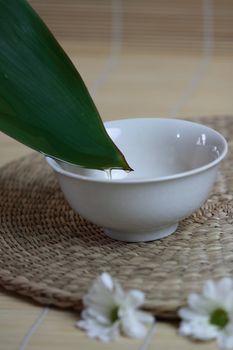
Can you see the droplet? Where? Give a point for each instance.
(108, 172)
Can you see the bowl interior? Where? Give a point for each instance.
(156, 148)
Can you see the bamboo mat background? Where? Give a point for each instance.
(150, 57)
(148, 24)
(138, 58)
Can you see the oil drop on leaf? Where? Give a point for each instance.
(44, 102)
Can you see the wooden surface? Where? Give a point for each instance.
(129, 79)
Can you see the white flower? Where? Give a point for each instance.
(210, 315)
(110, 311)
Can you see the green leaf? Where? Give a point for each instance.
(44, 102)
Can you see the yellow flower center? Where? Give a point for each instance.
(219, 318)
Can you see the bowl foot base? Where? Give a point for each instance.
(141, 236)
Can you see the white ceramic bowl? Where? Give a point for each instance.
(175, 163)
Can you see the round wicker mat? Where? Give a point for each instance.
(51, 254)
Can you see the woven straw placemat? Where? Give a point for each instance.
(49, 253)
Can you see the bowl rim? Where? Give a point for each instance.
(55, 166)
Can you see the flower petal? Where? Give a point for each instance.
(100, 304)
(225, 293)
(200, 304)
(210, 290)
(185, 328)
(96, 330)
(200, 329)
(98, 316)
(219, 293)
(99, 295)
(225, 338)
(107, 280)
(118, 292)
(132, 326)
(111, 333)
(145, 317)
(225, 286)
(188, 314)
(134, 298)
